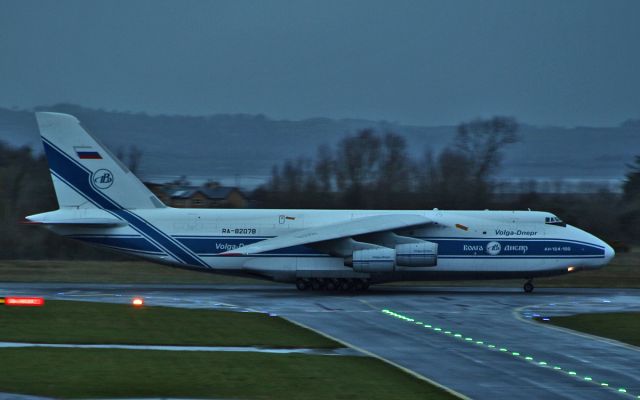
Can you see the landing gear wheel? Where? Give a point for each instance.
(302, 284)
(331, 284)
(345, 284)
(316, 284)
(528, 287)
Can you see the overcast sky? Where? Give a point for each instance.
(423, 62)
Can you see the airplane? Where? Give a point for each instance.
(101, 202)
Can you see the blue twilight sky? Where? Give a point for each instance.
(416, 62)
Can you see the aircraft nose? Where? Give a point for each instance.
(609, 253)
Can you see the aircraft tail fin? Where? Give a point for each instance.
(84, 173)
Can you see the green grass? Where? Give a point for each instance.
(88, 323)
(623, 326)
(81, 373)
(111, 373)
(107, 272)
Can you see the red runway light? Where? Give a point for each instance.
(137, 301)
(24, 301)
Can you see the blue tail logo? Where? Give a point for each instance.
(102, 179)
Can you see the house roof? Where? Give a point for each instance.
(185, 192)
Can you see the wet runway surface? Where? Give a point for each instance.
(480, 341)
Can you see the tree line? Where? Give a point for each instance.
(25, 189)
(374, 171)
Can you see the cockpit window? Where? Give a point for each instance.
(554, 221)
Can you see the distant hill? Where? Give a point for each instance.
(247, 146)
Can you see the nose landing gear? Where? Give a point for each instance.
(528, 286)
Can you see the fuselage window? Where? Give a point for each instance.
(554, 221)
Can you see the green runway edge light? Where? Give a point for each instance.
(530, 359)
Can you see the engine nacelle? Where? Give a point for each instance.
(373, 260)
(423, 254)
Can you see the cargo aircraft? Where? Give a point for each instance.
(102, 203)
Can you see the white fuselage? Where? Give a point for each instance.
(471, 244)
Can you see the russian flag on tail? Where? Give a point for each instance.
(87, 153)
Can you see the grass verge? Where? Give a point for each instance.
(81, 373)
(112, 373)
(91, 323)
(623, 326)
(71, 271)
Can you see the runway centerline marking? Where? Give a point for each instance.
(528, 358)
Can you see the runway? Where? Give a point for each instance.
(477, 341)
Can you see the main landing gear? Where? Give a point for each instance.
(528, 286)
(332, 284)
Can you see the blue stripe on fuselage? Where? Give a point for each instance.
(447, 248)
(452, 248)
(138, 243)
(517, 248)
(214, 245)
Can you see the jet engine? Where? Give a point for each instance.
(384, 259)
(373, 260)
(423, 254)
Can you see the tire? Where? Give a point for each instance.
(346, 284)
(302, 284)
(316, 284)
(528, 287)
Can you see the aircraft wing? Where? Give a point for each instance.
(354, 227)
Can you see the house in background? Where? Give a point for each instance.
(209, 195)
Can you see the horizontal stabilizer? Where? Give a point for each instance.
(74, 218)
(79, 222)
